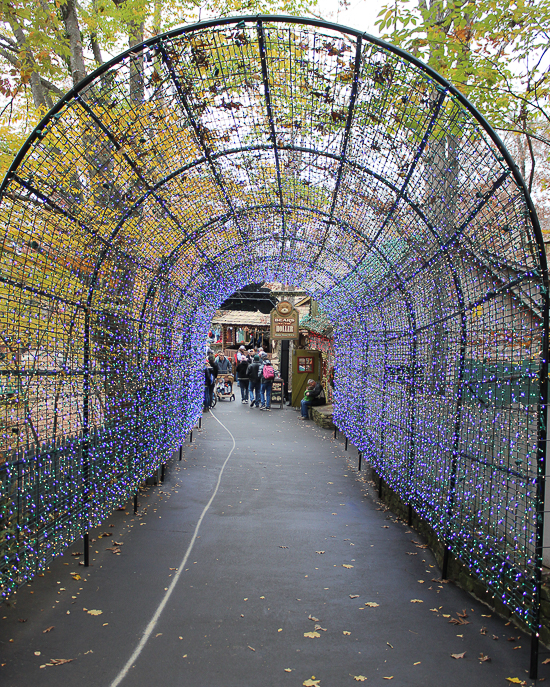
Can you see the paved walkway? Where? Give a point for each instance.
(296, 574)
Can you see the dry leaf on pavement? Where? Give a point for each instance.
(345, 565)
(359, 678)
(60, 661)
(251, 648)
(516, 681)
(312, 617)
(94, 612)
(311, 683)
(320, 552)
(288, 670)
(354, 596)
(484, 659)
(318, 627)
(371, 604)
(48, 629)
(311, 635)
(417, 601)
(459, 655)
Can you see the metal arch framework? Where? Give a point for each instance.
(288, 150)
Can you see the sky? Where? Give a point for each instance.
(360, 15)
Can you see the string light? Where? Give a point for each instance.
(272, 151)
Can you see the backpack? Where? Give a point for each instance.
(268, 372)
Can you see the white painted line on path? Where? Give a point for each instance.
(154, 620)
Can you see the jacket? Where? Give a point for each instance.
(242, 369)
(315, 396)
(254, 372)
(224, 366)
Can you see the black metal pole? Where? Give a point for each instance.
(162, 471)
(181, 452)
(534, 664)
(136, 503)
(191, 437)
(335, 431)
(86, 540)
(445, 567)
(200, 422)
(359, 465)
(410, 518)
(346, 443)
(379, 487)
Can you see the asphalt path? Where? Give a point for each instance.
(295, 574)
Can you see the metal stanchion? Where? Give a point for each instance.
(162, 472)
(359, 466)
(181, 452)
(86, 540)
(191, 437)
(135, 502)
(346, 443)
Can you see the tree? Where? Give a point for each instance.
(495, 52)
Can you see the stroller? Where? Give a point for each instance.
(224, 388)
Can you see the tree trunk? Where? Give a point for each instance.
(70, 21)
(28, 65)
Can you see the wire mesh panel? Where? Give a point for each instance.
(273, 149)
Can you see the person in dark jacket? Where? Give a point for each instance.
(242, 377)
(224, 365)
(209, 380)
(314, 396)
(254, 374)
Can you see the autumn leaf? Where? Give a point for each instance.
(59, 661)
(371, 604)
(354, 596)
(516, 681)
(76, 577)
(311, 635)
(48, 629)
(459, 655)
(359, 678)
(94, 612)
(320, 552)
(345, 565)
(388, 678)
(546, 660)
(318, 627)
(417, 601)
(311, 683)
(251, 648)
(345, 632)
(288, 670)
(312, 617)
(484, 659)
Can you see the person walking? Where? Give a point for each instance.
(268, 375)
(254, 373)
(224, 364)
(242, 378)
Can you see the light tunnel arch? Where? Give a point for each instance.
(288, 150)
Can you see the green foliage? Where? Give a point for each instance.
(494, 51)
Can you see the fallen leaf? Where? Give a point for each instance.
(58, 661)
(483, 631)
(24, 620)
(417, 601)
(359, 678)
(288, 670)
(283, 547)
(311, 635)
(311, 683)
(546, 660)
(48, 629)
(446, 615)
(320, 552)
(318, 627)
(312, 617)
(94, 612)
(459, 655)
(484, 659)
(417, 663)
(516, 681)
(390, 645)
(345, 565)
(388, 678)
(251, 648)
(354, 596)
(37, 653)
(76, 577)
(463, 614)
(280, 629)
(345, 632)
(371, 604)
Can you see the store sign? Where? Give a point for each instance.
(284, 322)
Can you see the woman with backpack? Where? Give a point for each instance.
(268, 375)
(210, 375)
